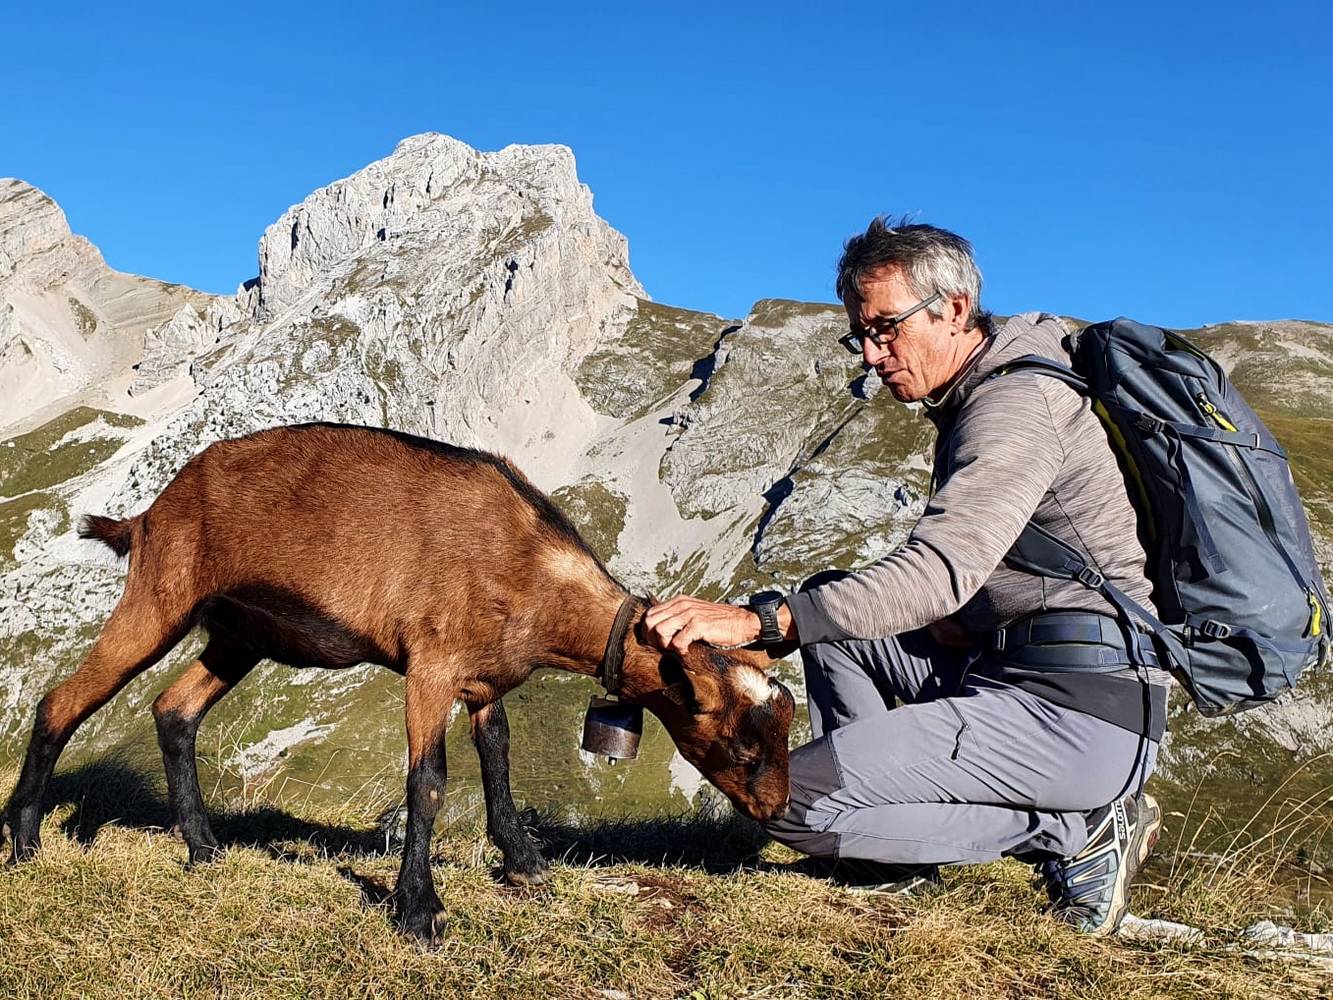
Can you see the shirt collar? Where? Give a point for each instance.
(972, 361)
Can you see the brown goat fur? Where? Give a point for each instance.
(328, 545)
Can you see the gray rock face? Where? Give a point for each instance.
(68, 323)
(475, 298)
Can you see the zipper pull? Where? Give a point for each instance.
(1316, 612)
(1207, 406)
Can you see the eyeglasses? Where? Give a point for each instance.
(853, 340)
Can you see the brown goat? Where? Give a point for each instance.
(327, 545)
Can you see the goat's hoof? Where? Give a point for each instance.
(420, 923)
(532, 874)
(204, 854)
(23, 845)
(419, 919)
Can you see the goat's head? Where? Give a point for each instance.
(726, 716)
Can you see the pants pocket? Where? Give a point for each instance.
(964, 730)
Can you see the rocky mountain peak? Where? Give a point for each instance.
(34, 233)
(432, 187)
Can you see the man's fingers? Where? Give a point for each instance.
(668, 624)
(660, 612)
(680, 642)
(676, 623)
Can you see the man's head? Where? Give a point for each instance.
(890, 270)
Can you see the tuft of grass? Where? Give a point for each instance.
(695, 905)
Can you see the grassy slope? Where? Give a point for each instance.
(697, 906)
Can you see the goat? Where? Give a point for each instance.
(330, 545)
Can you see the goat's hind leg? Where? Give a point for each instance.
(430, 696)
(135, 637)
(178, 711)
(523, 862)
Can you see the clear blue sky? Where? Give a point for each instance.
(1171, 162)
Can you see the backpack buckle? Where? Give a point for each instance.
(1215, 629)
(1091, 578)
(1149, 424)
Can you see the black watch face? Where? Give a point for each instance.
(766, 597)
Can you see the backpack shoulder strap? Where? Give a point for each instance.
(1037, 363)
(1039, 552)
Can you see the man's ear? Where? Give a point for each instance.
(958, 308)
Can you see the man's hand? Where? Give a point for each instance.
(674, 624)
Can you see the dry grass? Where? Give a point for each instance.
(696, 906)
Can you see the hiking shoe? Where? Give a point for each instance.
(872, 877)
(1090, 891)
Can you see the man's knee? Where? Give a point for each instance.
(814, 775)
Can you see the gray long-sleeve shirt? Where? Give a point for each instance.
(1020, 447)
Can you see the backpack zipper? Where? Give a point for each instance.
(1260, 502)
(1207, 406)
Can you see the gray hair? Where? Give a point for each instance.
(932, 259)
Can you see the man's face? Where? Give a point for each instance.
(921, 356)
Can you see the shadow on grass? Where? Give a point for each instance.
(714, 839)
(111, 791)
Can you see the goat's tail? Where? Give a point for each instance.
(116, 535)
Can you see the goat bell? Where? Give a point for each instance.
(612, 729)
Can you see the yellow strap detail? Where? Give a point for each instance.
(1316, 613)
(1122, 448)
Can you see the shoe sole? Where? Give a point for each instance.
(915, 887)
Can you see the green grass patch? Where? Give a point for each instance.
(598, 512)
(35, 461)
(661, 348)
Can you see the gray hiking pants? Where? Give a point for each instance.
(965, 770)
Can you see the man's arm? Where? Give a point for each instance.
(1006, 454)
(676, 623)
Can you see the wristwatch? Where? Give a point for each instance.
(765, 604)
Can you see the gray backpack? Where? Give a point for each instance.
(1235, 580)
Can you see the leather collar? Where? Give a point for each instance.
(611, 672)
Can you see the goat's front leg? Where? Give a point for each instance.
(523, 863)
(430, 695)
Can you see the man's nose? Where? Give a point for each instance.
(871, 354)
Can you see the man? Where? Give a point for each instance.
(1021, 728)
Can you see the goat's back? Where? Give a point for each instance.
(380, 529)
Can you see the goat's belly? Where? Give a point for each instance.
(280, 625)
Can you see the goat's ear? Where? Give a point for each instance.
(703, 666)
(682, 694)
